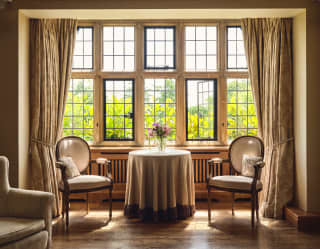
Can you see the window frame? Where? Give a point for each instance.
(206, 54)
(93, 51)
(247, 128)
(104, 110)
(215, 102)
(179, 74)
(227, 48)
(124, 55)
(174, 48)
(175, 103)
(81, 103)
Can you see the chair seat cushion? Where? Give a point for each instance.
(234, 182)
(13, 229)
(84, 182)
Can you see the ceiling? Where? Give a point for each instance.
(136, 14)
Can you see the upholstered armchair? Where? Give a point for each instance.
(25, 215)
(77, 150)
(246, 160)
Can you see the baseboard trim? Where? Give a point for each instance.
(303, 221)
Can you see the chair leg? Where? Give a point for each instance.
(87, 203)
(209, 206)
(252, 209)
(110, 203)
(232, 204)
(257, 206)
(67, 210)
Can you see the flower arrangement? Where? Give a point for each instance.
(160, 132)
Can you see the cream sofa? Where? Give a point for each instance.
(25, 215)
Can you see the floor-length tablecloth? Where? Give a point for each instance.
(160, 185)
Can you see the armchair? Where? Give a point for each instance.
(78, 149)
(25, 215)
(240, 147)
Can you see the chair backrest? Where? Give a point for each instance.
(74, 147)
(244, 145)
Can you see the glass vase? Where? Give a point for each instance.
(150, 143)
(162, 144)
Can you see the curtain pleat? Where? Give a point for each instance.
(268, 46)
(52, 43)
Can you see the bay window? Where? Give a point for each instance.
(189, 75)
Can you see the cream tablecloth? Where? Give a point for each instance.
(160, 185)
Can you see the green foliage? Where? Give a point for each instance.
(241, 112)
(159, 107)
(118, 122)
(78, 115)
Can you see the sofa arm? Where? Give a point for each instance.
(31, 204)
(28, 203)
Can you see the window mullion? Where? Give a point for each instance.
(222, 87)
(97, 85)
(139, 89)
(180, 86)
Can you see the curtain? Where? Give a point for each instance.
(52, 43)
(268, 46)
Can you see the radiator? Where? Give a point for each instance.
(201, 167)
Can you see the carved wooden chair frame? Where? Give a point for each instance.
(253, 191)
(66, 189)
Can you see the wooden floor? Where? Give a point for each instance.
(94, 232)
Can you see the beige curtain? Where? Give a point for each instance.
(268, 46)
(52, 44)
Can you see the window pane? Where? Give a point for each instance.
(159, 48)
(118, 113)
(201, 109)
(201, 42)
(241, 115)
(160, 104)
(83, 50)
(78, 115)
(236, 59)
(118, 46)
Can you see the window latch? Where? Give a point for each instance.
(129, 115)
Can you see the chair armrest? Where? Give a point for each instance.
(100, 160)
(259, 164)
(257, 167)
(215, 161)
(218, 160)
(60, 165)
(106, 162)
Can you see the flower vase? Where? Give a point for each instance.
(149, 143)
(162, 144)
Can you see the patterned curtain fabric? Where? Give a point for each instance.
(268, 46)
(52, 44)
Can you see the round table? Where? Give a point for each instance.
(160, 185)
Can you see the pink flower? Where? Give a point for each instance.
(150, 132)
(168, 131)
(160, 130)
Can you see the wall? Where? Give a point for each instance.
(9, 90)
(300, 109)
(23, 102)
(313, 114)
(9, 143)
